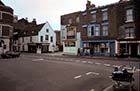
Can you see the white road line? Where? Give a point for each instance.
(107, 64)
(138, 70)
(70, 60)
(90, 62)
(90, 73)
(129, 68)
(76, 77)
(110, 76)
(84, 61)
(77, 61)
(37, 59)
(98, 63)
(116, 66)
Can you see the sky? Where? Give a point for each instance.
(49, 10)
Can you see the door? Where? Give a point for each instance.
(112, 49)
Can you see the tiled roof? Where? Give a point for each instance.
(26, 28)
(31, 30)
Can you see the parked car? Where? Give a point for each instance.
(10, 54)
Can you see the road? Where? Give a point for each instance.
(32, 72)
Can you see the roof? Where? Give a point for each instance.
(1, 3)
(31, 30)
(26, 28)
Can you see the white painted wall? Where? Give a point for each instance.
(50, 33)
(26, 41)
(6, 42)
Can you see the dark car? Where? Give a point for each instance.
(10, 54)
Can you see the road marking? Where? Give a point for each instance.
(98, 63)
(77, 61)
(129, 68)
(108, 88)
(92, 90)
(90, 62)
(84, 61)
(110, 76)
(107, 64)
(37, 59)
(76, 77)
(116, 66)
(94, 73)
(138, 70)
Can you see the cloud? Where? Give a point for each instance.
(50, 10)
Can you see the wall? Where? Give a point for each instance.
(50, 33)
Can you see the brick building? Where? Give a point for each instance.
(6, 27)
(100, 30)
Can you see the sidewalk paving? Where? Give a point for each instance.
(96, 57)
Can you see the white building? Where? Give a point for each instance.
(35, 38)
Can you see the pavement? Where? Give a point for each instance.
(96, 57)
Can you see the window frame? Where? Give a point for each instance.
(129, 15)
(41, 38)
(105, 32)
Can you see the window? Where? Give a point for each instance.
(41, 38)
(69, 44)
(47, 30)
(77, 19)
(23, 48)
(22, 39)
(51, 38)
(105, 30)
(129, 15)
(0, 30)
(46, 37)
(33, 32)
(84, 13)
(0, 15)
(97, 31)
(70, 21)
(31, 39)
(92, 30)
(94, 18)
(104, 16)
(71, 31)
(129, 32)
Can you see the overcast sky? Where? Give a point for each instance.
(50, 10)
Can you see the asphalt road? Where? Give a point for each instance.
(32, 72)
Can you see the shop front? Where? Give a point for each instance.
(99, 47)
